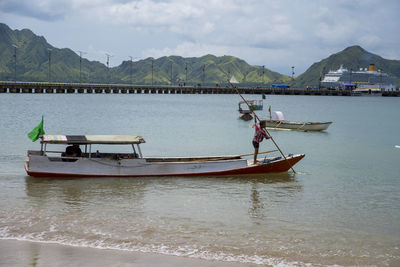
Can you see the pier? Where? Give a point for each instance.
(92, 88)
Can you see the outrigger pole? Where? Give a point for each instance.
(255, 115)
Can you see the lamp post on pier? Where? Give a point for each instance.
(292, 72)
(15, 62)
(171, 72)
(186, 73)
(132, 58)
(49, 49)
(108, 67)
(204, 74)
(292, 76)
(263, 74)
(80, 65)
(152, 71)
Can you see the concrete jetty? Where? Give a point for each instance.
(92, 88)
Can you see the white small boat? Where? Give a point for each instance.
(55, 163)
(277, 120)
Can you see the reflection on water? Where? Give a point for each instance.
(76, 190)
(256, 206)
(82, 193)
(147, 195)
(218, 201)
(336, 210)
(34, 252)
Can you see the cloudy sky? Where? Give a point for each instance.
(276, 33)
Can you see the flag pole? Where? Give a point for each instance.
(255, 115)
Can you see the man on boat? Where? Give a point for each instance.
(73, 151)
(259, 135)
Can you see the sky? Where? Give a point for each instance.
(278, 34)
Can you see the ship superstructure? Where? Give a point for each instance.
(361, 80)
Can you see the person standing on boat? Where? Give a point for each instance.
(259, 136)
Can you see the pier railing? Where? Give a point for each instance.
(93, 88)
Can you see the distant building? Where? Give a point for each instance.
(280, 86)
(361, 80)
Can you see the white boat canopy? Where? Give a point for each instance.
(92, 139)
(278, 116)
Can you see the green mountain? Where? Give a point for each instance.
(33, 53)
(353, 57)
(32, 62)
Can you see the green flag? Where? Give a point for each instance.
(37, 132)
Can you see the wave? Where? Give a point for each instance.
(180, 251)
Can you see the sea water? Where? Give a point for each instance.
(341, 207)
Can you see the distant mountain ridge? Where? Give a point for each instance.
(33, 65)
(353, 57)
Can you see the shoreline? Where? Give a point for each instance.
(30, 253)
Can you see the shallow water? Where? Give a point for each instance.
(342, 207)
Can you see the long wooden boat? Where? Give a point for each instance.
(277, 120)
(298, 125)
(54, 163)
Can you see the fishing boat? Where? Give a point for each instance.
(57, 163)
(254, 104)
(250, 106)
(277, 120)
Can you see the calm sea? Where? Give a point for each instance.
(342, 207)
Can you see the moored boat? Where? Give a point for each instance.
(277, 120)
(250, 106)
(253, 104)
(56, 163)
(298, 125)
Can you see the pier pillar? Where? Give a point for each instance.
(14, 90)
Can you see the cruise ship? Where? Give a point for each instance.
(366, 80)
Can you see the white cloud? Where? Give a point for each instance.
(48, 10)
(187, 49)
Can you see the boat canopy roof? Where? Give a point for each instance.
(92, 139)
(252, 102)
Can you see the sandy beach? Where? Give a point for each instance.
(25, 253)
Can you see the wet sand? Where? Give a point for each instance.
(24, 253)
